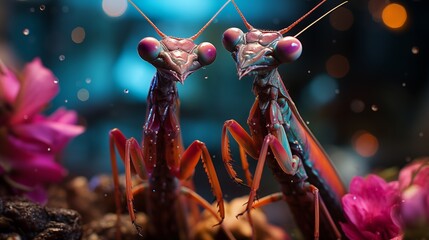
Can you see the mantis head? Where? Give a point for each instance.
(257, 52)
(177, 57)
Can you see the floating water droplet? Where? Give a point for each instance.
(415, 50)
(105, 195)
(126, 91)
(308, 71)
(62, 57)
(66, 101)
(374, 108)
(88, 80)
(42, 7)
(26, 31)
(49, 149)
(337, 91)
(56, 81)
(404, 84)
(206, 77)
(214, 156)
(308, 122)
(354, 197)
(421, 134)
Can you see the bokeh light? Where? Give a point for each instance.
(394, 16)
(114, 8)
(415, 50)
(83, 94)
(78, 35)
(357, 105)
(375, 8)
(341, 19)
(323, 89)
(365, 144)
(337, 66)
(26, 31)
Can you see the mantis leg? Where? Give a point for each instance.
(246, 144)
(196, 151)
(129, 150)
(206, 205)
(132, 154)
(288, 163)
(273, 197)
(318, 203)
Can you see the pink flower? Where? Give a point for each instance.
(30, 141)
(414, 186)
(369, 209)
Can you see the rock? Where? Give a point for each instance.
(23, 219)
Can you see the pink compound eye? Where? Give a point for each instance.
(288, 49)
(231, 37)
(206, 53)
(149, 48)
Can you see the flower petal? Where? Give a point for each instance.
(43, 135)
(37, 89)
(38, 169)
(351, 231)
(9, 84)
(64, 116)
(417, 172)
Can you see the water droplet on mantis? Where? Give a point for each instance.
(42, 7)
(26, 31)
(374, 108)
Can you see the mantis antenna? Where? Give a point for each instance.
(150, 22)
(163, 35)
(285, 30)
(246, 23)
(210, 21)
(324, 15)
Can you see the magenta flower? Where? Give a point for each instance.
(30, 141)
(369, 209)
(414, 186)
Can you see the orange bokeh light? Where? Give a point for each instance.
(365, 144)
(394, 15)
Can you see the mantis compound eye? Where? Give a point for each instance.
(288, 49)
(231, 38)
(149, 48)
(206, 53)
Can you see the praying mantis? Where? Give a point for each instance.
(161, 162)
(279, 136)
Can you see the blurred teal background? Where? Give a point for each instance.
(362, 87)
